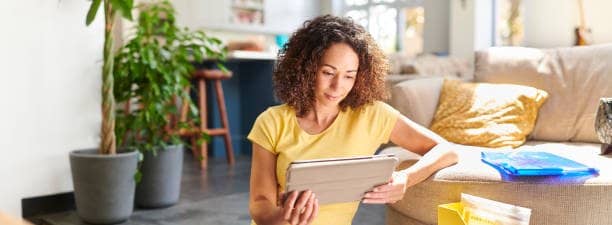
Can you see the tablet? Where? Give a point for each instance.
(337, 180)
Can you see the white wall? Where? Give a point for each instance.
(483, 33)
(333, 7)
(196, 14)
(461, 28)
(551, 23)
(49, 95)
(436, 30)
(471, 26)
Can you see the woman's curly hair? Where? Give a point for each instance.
(298, 61)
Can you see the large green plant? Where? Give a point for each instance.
(152, 69)
(111, 8)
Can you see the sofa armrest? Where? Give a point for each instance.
(417, 99)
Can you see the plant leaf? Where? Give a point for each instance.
(204, 138)
(152, 68)
(124, 7)
(215, 41)
(138, 176)
(93, 10)
(222, 67)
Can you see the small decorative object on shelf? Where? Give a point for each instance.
(603, 124)
(247, 12)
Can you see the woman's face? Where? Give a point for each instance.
(336, 75)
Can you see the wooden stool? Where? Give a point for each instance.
(200, 76)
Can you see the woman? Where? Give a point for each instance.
(330, 75)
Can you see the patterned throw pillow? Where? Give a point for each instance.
(487, 115)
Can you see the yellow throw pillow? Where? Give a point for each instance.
(487, 115)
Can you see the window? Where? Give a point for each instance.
(509, 23)
(397, 25)
(413, 30)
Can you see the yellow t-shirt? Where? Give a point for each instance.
(354, 132)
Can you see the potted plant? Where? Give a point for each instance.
(103, 177)
(152, 71)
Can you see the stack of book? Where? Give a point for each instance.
(534, 163)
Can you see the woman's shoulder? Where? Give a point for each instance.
(277, 112)
(279, 109)
(374, 107)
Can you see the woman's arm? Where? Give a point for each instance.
(296, 209)
(436, 151)
(437, 154)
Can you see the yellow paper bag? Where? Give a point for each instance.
(450, 214)
(453, 214)
(474, 210)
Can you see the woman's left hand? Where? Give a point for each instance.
(390, 192)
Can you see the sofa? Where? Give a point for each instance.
(575, 78)
(403, 68)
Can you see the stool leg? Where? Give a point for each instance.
(223, 112)
(203, 121)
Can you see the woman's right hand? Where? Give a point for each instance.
(300, 208)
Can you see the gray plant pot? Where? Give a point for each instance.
(103, 185)
(161, 178)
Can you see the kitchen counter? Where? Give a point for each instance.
(250, 55)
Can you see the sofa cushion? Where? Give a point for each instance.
(575, 78)
(455, 67)
(553, 200)
(487, 115)
(417, 99)
(393, 79)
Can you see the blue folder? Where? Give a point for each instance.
(532, 163)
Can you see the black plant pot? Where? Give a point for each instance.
(103, 185)
(161, 178)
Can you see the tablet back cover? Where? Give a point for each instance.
(340, 179)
